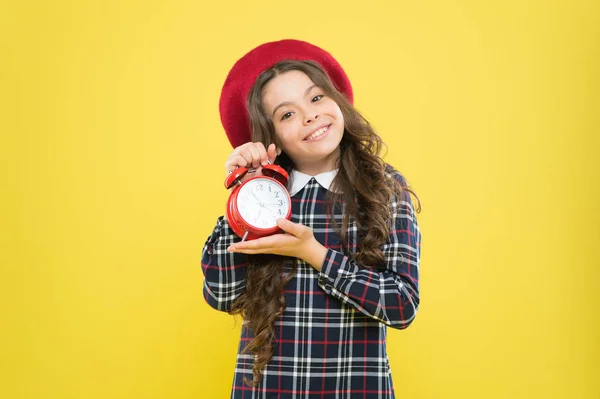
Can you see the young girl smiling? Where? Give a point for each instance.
(316, 299)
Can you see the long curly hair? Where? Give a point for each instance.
(365, 194)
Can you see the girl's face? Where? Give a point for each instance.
(308, 124)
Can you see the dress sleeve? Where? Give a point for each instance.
(390, 295)
(224, 272)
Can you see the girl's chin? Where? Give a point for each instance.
(323, 152)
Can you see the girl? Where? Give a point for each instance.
(316, 299)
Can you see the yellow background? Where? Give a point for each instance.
(112, 171)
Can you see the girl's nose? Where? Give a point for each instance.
(310, 119)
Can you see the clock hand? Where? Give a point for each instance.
(274, 213)
(258, 199)
(268, 209)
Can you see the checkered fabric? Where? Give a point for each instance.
(331, 338)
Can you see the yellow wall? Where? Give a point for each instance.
(112, 171)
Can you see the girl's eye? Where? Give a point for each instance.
(286, 115)
(317, 98)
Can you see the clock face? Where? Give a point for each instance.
(261, 201)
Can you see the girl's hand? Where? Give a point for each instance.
(299, 242)
(251, 156)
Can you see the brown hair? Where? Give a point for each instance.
(365, 190)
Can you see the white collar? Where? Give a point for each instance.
(298, 180)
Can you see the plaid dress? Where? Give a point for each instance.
(331, 338)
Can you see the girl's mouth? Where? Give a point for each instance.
(319, 134)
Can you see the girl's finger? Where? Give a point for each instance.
(263, 153)
(255, 156)
(289, 227)
(235, 161)
(234, 158)
(247, 155)
(253, 244)
(272, 152)
(255, 250)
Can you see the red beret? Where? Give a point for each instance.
(242, 76)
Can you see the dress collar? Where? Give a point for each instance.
(298, 180)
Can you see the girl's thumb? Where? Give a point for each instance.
(272, 152)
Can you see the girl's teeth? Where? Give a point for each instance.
(317, 133)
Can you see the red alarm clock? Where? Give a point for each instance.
(254, 205)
